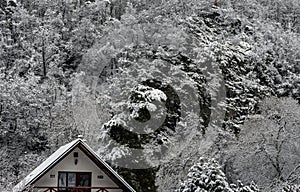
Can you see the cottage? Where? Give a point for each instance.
(74, 167)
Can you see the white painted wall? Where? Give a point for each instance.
(85, 164)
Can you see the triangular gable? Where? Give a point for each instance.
(60, 154)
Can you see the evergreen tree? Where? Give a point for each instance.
(207, 176)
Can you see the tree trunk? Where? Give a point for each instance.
(44, 60)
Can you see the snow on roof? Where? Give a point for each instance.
(55, 157)
(42, 167)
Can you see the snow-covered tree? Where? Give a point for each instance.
(207, 176)
(291, 188)
(267, 150)
(34, 118)
(240, 187)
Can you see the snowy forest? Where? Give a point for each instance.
(176, 95)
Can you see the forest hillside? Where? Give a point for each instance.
(177, 95)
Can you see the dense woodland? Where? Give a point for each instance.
(226, 74)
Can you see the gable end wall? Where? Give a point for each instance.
(85, 164)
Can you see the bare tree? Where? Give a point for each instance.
(268, 149)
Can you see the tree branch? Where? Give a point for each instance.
(292, 172)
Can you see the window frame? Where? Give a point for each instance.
(77, 180)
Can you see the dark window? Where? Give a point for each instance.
(75, 154)
(68, 180)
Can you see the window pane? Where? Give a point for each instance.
(62, 179)
(84, 180)
(71, 179)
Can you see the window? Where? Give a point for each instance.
(62, 181)
(67, 180)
